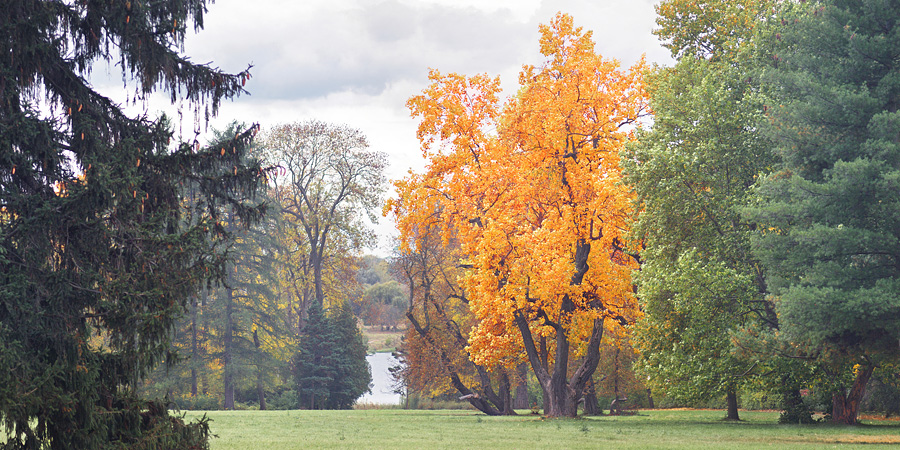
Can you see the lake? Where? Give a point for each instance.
(382, 383)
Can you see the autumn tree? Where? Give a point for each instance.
(536, 205)
(829, 239)
(434, 350)
(96, 240)
(329, 181)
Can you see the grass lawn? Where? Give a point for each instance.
(446, 429)
(381, 341)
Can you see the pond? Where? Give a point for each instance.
(381, 381)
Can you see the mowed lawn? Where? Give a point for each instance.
(655, 429)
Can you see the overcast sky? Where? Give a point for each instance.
(356, 62)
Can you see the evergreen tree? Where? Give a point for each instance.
(352, 373)
(831, 239)
(330, 367)
(99, 252)
(316, 361)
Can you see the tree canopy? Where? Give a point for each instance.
(536, 207)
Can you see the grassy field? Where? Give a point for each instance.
(656, 429)
(381, 341)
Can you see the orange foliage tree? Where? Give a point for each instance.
(530, 190)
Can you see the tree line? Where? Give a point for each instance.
(731, 217)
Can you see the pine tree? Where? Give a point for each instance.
(99, 253)
(831, 235)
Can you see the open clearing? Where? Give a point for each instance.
(446, 429)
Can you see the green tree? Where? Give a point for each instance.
(330, 367)
(315, 361)
(99, 252)
(831, 240)
(691, 171)
(352, 372)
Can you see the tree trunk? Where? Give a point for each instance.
(562, 394)
(650, 399)
(227, 356)
(521, 400)
(544, 356)
(732, 404)
(260, 392)
(475, 399)
(845, 407)
(195, 357)
(591, 406)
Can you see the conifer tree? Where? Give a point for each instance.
(352, 373)
(830, 239)
(315, 361)
(98, 251)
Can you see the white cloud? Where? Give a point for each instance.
(356, 62)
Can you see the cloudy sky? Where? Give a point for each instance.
(356, 62)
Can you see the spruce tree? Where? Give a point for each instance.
(315, 361)
(352, 372)
(99, 251)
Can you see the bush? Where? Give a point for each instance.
(286, 399)
(198, 403)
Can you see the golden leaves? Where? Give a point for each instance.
(522, 185)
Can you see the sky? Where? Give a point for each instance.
(356, 62)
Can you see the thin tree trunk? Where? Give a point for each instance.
(195, 357)
(260, 392)
(845, 407)
(731, 401)
(228, 376)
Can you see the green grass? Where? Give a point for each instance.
(444, 429)
(381, 341)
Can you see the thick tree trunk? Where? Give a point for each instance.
(227, 355)
(845, 406)
(562, 394)
(521, 400)
(650, 399)
(591, 407)
(732, 405)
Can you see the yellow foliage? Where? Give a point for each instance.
(531, 190)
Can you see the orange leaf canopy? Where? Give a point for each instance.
(525, 185)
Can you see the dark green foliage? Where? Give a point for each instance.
(330, 368)
(99, 251)
(831, 235)
(883, 392)
(834, 243)
(352, 374)
(315, 362)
